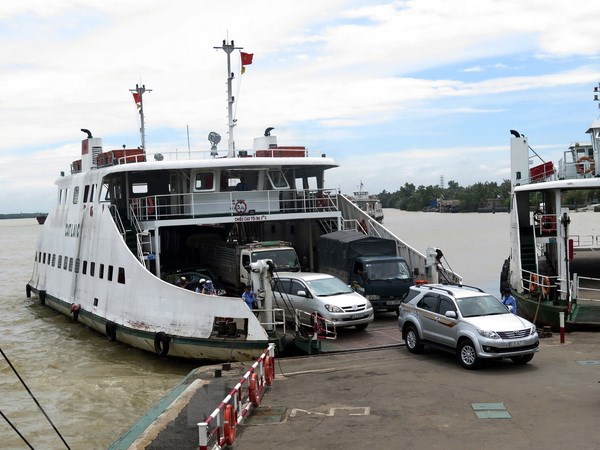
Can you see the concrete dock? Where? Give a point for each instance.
(389, 398)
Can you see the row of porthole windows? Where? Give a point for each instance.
(67, 263)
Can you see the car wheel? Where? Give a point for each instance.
(413, 341)
(467, 355)
(361, 326)
(522, 359)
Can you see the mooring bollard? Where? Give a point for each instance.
(561, 316)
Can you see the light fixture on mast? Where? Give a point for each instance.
(228, 48)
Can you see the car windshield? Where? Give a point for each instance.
(387, 270)
(481, 305)
(324, 287)
(284, 259)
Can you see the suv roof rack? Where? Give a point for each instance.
(465, 286)
(448, 291)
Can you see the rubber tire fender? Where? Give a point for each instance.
(161, 344)
(42, 296)
(111, 331)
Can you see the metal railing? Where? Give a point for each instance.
(592, 294)
(233, 203)
(221, 425)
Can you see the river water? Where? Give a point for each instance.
(94, 390)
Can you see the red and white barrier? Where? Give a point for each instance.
(231, 412)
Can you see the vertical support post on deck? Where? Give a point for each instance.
(562, 326)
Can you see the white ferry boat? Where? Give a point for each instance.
(125, 218)
(368, 203)
(551, 269)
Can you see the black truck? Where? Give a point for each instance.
(369, 264)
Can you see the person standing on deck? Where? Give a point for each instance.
(249, 297)
(509, 300)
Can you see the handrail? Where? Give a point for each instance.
(117, 219)
(234, 203)
(240, 399)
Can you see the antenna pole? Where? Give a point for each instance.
(228, 48)
(140, 90)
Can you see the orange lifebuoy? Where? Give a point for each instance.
(533, 283)
(269, 368)
(546, 286)
(229, 424)
(581, 167)
(253, 390)
(321, 201)
(150, 206)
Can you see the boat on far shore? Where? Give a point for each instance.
(554, 263)
(368, 203)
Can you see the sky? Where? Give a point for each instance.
(419, 91)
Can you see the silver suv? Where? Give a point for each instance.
(466, 321)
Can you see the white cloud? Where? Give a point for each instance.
(336, 71)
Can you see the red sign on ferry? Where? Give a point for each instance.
(84, 147)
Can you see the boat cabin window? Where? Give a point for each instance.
(62, 196)
(75, 195)
(92, 189)
(139, 188)
(278, 180)
(204, 181)
(104, 193)
(86, 192)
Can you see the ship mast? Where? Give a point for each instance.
(138, 94)
(228, 48)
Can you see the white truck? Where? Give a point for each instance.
(230, 261)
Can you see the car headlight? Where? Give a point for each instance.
(533, 329)
(333, 308)
(372, 297)
(489, 334)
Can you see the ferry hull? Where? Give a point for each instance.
(542, 313)
(212, 349)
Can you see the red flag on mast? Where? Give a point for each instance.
(138, 99)
(246, 60)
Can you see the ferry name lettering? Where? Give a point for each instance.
(251, 218)
(72, 229)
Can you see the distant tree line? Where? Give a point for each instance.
(21, 215)
(478, 195)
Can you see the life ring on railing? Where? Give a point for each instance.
(581, 167)
(229, 424)
(161, 344)
(269, 368)
(253, 390)
(150, 206)
(321, 200)
(546, 286)
(533, 283)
